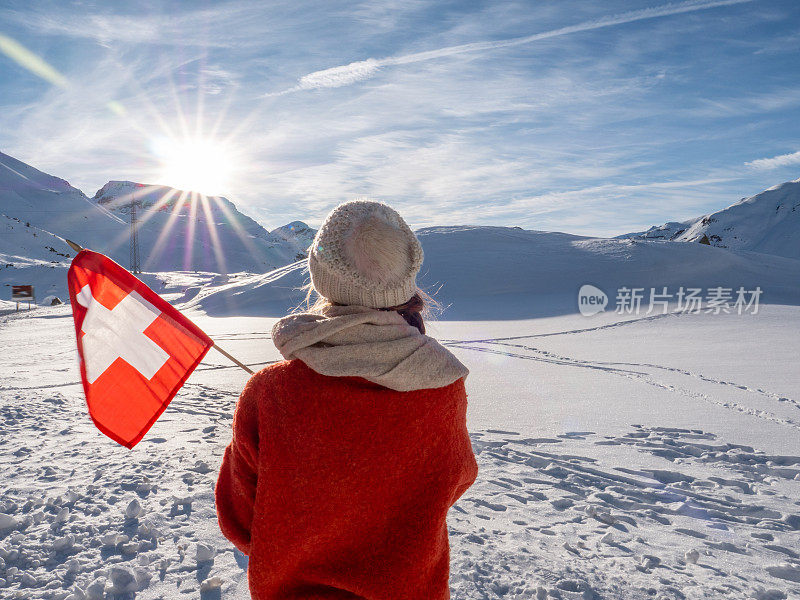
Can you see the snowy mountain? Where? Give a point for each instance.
(177, 231)
(182, 231)
(37, 211)
(296, 233)
(476, 271)
(768, 222)
(485, 272)
(36, 206)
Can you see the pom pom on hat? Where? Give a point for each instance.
(365, 254)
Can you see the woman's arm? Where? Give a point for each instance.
(235, 491)
(469, 465)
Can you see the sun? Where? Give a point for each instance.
(194, 165)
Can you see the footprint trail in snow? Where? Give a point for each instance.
(549, 519)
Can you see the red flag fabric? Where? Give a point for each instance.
(136, 350)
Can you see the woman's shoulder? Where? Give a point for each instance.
(267, 387)
(455, 389)
(294, 375)
(273, 373)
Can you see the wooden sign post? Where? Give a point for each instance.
(22, 293)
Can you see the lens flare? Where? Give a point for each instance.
(199, 167)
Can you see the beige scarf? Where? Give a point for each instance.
(378, 345)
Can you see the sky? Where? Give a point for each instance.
(595, 118)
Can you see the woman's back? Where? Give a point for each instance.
(354, 481)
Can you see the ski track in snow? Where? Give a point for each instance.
(609, 366)
(614, 325)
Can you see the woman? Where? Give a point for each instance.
(346, 456)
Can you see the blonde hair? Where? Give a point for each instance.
(421, 307)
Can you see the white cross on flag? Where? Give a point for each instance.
(136, 350)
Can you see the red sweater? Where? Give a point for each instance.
(337, 487)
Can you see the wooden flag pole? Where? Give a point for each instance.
(73, 245)
(225, 354)
(78, 248)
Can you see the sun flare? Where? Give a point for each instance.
(194, 165)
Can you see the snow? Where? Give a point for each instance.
(7, 522)
(657, 442)
(621, 456)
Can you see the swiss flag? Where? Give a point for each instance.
(136, 350)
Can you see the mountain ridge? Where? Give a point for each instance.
(185, 232)
(768, 222)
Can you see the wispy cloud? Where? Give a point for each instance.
(760, 101)
(339, 76)
(185, 28)
(782, 160)
(360, 70)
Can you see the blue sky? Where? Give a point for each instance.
(589, 117)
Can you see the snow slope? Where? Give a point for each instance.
(510, 273)
(35, 205)
(768, 222)
(36, 212)
(273, 293)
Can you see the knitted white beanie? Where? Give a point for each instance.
(365, 254)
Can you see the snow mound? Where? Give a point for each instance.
(506, 273)
(272, 293)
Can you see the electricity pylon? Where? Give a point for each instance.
(135, 266)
